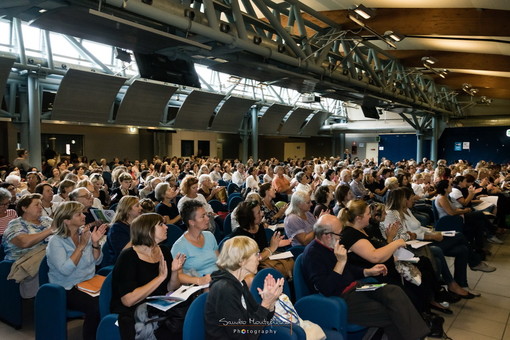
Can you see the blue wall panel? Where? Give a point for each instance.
(487, 143)
(398, 147)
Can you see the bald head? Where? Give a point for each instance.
(327, 224)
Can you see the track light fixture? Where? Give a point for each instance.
(360, 13)
(428, 61)
(468, 88)
(393, 35)
(364, 12)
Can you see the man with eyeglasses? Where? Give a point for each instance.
(85, 197)
(326, 271)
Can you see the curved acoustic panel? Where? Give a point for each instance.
(270, 121)
(196, 111)
(5, 69)
(86, 97)
(145, 103)
(294, 122)
(314, 124)
(231, 114)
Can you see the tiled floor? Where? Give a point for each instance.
(482, 318)
(485, 317)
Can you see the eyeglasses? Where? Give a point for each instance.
(332, 233)
(6, 204)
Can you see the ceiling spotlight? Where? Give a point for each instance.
(395, 36)
(356, 19)
(364, 12)
(443, 73)
(429, 61)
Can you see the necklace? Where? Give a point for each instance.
(50, 213)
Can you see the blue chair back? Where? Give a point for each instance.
(233, 202)
(227, 225)
(217, 206)
(232, 187)
(194, 324)
(43, 272)
(114, 206)
(172, 234)
(105, 296)
(10, 299)
(107, 329)
(222, 183)
(300, 287)
(447, 222)
(2, 252)
(258, 282)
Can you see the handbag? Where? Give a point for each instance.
(284, 266)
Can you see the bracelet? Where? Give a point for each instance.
(96, 247)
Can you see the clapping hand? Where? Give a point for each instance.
(271, 291)
(163, 269)
(98, 233)
(178, 262)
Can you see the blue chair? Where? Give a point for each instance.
(220, 245)
(232, 187)
(217, 206)
(172, 234)
(114, 206)
(340, 307)
(258, 282)
(233, 203)
(107, 329)
(318, 310)
(2, 251)
(194, 325)
(227, 225)
(11, 311)
(51, 311)
(222, 183)
(447, 222)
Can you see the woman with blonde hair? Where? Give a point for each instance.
(72, 255)
(118, 236)
(229, 296)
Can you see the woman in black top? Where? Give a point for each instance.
(230, 305)
(167, 206)
(143, 270)
(249, 217)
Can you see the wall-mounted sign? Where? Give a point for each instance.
(458, 146)
(508, 133)
(465, 145)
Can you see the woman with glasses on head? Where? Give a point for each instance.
(144, 269)
(299, 220)
(72, 255)
(229, 297)
(118, 235)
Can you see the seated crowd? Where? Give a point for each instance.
(349, 220)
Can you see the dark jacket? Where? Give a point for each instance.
(231, 312)
(318, 263)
